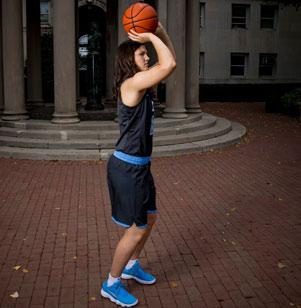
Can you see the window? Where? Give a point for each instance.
(268, 16)
(202, 15)
(83, 52)
(240, 15)
(44, 13)
(201, 65)
(238, 64)
(267, 64)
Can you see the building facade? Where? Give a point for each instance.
(219, 43)
(248, 45)
(249, 42)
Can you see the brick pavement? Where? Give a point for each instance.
(228, 233)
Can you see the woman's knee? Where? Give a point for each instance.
(136, 233)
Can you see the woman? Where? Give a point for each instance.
(131, 185)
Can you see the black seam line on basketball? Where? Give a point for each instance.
(141, 28)
(132, 18)
(127, 16)
(139, 11)
(131, 12)
(140, 20)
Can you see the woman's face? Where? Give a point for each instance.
(141, 58)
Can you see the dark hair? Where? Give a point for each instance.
(125, 66)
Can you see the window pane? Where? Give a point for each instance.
(201, 65)
(44, 8)
(239, 15)
(267, 11)
(238, 22)
(267, 23)
(237, 60)
(237, 71)
(238, 64)
(44, 12)
(267, 64)
(44, 19)
(239, 11)
(267, 60)
(202, 14)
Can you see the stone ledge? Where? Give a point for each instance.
(236, 134)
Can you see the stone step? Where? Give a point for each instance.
(92, 125)
(222, 127)
(237, 133)
(204, 123)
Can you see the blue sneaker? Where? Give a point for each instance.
(118, 294)
(137, 273)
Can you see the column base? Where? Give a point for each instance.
(35, 103)
(12, 116)
(173, 113)
(193, 109)
(65, 118)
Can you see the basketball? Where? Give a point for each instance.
(141, 17)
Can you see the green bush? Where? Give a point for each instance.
(291, 102)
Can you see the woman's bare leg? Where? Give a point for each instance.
(132, 237)
(151, 218)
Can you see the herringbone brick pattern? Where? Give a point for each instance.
(228, 232)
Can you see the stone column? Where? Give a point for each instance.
(34, 65)
(1, 64)
(162, 12)
(13, 61)
(192, 56)
(111, 45)
(176, 28)
(64, 62)
(122, 6)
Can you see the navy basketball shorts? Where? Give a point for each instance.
(132, 192)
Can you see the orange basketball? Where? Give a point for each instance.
(140, 17)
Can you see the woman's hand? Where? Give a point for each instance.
(140, 37)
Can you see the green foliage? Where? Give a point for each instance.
(291, 101)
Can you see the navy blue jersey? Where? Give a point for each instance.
(136, 126)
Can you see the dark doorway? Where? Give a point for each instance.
(88, 15)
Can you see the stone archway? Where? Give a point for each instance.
(102, 4)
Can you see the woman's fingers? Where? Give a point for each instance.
(133, 32)
(133, 35)
(133, 38)
(139, 37)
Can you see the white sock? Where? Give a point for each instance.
(130, 264)
(112, 280)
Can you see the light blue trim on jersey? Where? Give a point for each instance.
(132, 159)
(120, 223)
